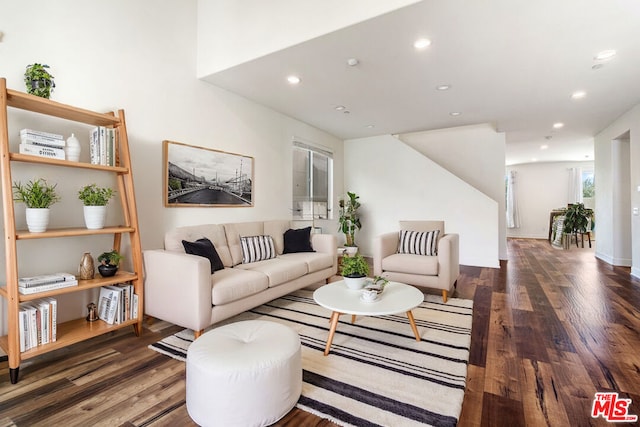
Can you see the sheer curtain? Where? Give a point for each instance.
(513, 216)
(575, 185)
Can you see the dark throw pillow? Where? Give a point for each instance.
(204, 248)
(297, 240)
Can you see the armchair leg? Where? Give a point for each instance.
(444, 296)
(196, 334)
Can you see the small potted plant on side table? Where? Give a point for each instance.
(95, 201)
(109, 262)
(354, 271)
(38, 195)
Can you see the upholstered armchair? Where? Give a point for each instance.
(420, 254)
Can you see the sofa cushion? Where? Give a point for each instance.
(257, 248)
(315, 261)
(232, 284)
(214, 232)
(204, 248)
(276, 229)
(411, 264)
(419, 242)
(298, 240)
(278, 270)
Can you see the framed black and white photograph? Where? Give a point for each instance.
(198, 176)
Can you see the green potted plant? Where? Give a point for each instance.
(354, 271)
(38, 196)
(576, 220)
(349, 220)
(109, 262)
(95, 201)
(38, 80)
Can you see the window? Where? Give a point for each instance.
(312, 182)
(588, 184)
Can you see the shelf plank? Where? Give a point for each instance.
(72, 232)
(40, 105)
(120, 277)
(69, 333)
(18, 157)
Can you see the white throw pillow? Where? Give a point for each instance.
(257, 248)
(419, 242)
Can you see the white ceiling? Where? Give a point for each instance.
(512, 63)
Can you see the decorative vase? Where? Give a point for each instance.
(351, 250)
(37, 219)
(86, 270)
(107, 270)
(95, 216)
(355, 282)
(72, 149)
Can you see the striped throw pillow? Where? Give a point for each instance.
(257, 248)
(419, 242)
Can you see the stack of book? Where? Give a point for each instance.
(102, 146)
(117, 303)
(46, 282)
(43, 144)
(38, 322)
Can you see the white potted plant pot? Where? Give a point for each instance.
(355, 282)
(95, 216)
(351, 250)
(37, 219)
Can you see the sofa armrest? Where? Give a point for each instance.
(383, 246)
(177, 288)
(326, 243)
(448, 260)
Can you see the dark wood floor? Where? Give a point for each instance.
(550, 329)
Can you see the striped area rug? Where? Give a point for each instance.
(377, 374)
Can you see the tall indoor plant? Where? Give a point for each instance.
(38, 196)
(349, 220)
(95, 201)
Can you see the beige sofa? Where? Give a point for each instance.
(438, 272)
(180, 288)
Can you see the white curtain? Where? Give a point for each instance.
(513, 215)
(575, 185)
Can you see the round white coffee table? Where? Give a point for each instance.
(396, 298)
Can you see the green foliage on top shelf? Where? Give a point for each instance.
(35, 194)
(92, 195)
(38, 80)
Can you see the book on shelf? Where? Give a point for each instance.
(47, 287)
(53, 138)
(108, 304)
(134, 308)
(37, 323)
(45, 279)
(45, 142)
(42, 151)
(102, 143)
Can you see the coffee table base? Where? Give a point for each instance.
(335, 316)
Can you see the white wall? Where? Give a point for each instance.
(395, 182)
(231, 32)
(542, 187)
(139, 56)
(476, 154)
(609, 201)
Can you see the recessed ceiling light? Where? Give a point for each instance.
(558, 125)
(422, 43)
(579, 94)
(455, 113)
(534, 159)
(370, 126)
(544, 146)
(340, 107)
(294, 80)
(605, 55)
(443, 87)
(352, 62)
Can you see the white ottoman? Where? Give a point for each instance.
(244, 374)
